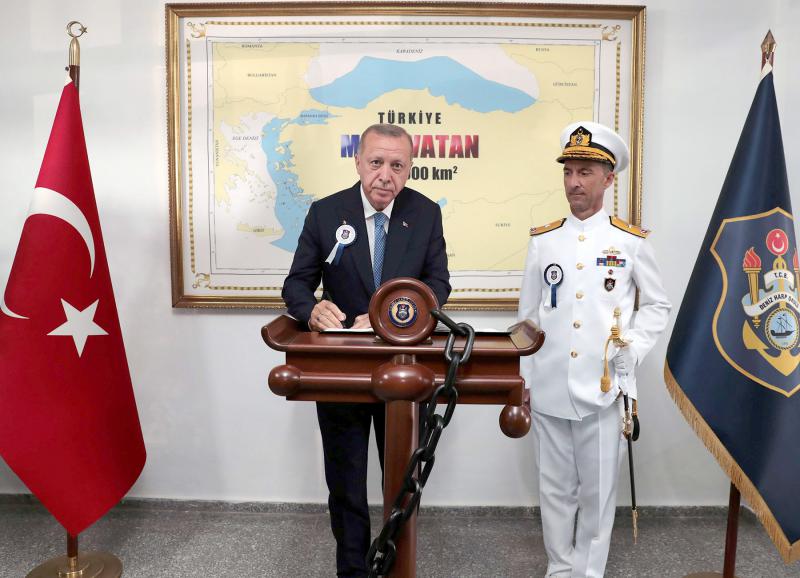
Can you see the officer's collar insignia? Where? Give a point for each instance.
(756, 326)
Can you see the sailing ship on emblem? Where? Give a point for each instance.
(782, 329)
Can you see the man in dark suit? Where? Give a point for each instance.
(353, 241)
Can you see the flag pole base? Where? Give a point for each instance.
(90, 565)
(705, 575)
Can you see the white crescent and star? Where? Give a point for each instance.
(780, 249)
(80, 323)
(777, 242)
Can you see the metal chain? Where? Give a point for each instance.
(383, 550)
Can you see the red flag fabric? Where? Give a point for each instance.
(69, 427)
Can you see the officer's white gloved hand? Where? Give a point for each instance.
(624, 361)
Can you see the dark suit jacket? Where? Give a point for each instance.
(415, 247)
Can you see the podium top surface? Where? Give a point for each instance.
(289, 335)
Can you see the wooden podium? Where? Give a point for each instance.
(401, 363)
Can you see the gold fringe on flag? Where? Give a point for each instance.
(789, 552)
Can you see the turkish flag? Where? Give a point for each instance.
(69, 427)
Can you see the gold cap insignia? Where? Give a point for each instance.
(581, 146)
(580, 138)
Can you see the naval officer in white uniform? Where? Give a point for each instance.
(578, 270)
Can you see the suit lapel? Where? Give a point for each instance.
(352, 212)
(401, 228)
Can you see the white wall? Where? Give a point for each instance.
(212, 428)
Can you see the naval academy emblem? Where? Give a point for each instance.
(553, 276)
(402, 312)
(756, 326)
(345, 235)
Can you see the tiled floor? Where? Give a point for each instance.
(177, 540)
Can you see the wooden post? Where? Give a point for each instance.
(402, 438)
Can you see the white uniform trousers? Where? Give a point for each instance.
(578, 466)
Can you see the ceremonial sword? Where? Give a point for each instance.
(631, 433)
(630, 423)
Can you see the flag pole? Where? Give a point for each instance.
(729, 564)
(90, 564)
(735, 497)
(734, 500)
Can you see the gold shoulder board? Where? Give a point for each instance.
(547, 228)
(628, 228)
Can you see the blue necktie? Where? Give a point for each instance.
(380, 248)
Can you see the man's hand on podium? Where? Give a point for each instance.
(325, 315)
(362, 322)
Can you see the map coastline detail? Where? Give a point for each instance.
(481, 119)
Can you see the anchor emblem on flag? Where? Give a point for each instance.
(757, 324)
(777, 302)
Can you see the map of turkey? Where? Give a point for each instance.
(287, 115)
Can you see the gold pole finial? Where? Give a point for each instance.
(75, 51)
(81, 29)
(768, 49)
(74, 47)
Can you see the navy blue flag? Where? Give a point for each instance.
(732, 361)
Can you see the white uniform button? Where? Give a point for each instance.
(579, 266)
(573, 354)
(576, 324)
(579, 295)
(581, 237)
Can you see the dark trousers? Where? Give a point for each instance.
(345, 442)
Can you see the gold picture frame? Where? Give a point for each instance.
(229, 238)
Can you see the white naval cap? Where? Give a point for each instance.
(592, 141)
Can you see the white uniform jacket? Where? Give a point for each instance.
(602, 267)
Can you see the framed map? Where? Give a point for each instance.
(266, 103)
